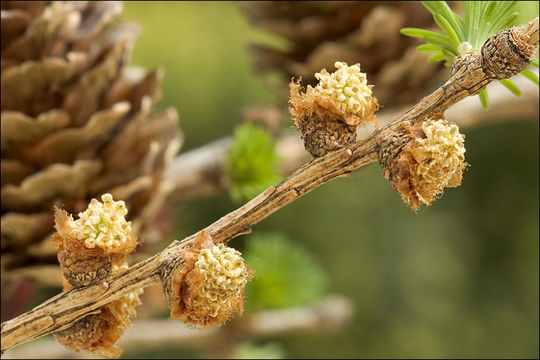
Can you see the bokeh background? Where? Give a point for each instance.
(459, 279)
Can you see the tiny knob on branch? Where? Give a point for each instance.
(510, 51)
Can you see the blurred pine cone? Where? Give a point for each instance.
(366, 32)
(76, 123)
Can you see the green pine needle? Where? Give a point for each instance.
(428, 48)
(251, 162)
(510, 85)
(482, 20)
(484, 99)
(530, 75)
(443, 11)
(285, 274)
(252, 350)
(447, 28)
(436, 57)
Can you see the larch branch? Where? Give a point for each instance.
(61, 311)
(325, 316)
(200, 172)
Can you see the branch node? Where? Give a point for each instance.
(510, 51)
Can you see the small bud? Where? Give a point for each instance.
(328, 114)
(207, 287)
(420, 161)
(464, 47)
(510, 51)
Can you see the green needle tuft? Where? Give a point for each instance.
(251, 162)
(482, 20)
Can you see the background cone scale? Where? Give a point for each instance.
(77, 122)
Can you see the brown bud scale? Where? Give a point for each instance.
(507, 53)
(83, 271)
(94, 333)
(322, 135)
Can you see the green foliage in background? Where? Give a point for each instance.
(482, 20)
(251, 350)
(252, 162)
(202, 47)
(285, 274)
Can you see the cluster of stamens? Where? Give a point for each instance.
(443, 150)
(347, 87)
(102, 225)
(224, 275)
(127, 306)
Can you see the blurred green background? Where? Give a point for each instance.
(458, 279)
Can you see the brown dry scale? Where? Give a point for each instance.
(510, 51)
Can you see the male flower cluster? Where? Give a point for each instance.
(421, 160)
(328, 114)
(207, 288)
(103, 224)
(347, 87)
